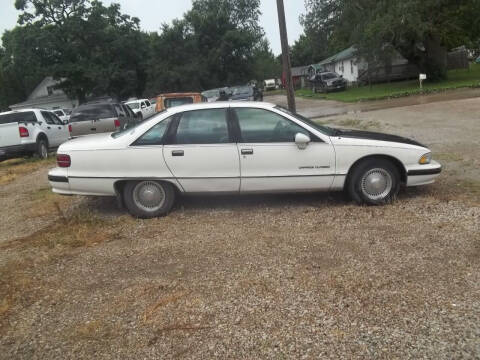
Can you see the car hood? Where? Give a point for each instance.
(88, 142)
(369, 135)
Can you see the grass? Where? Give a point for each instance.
(455, 79)
(12, 169)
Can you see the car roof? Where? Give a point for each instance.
(221, 104)
(22, 110)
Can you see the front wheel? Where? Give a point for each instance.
(374, 182)
(148, 199)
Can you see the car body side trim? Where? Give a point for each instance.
(60, 179)
(200, 177)
(425, 172)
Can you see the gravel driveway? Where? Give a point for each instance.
(277, 276)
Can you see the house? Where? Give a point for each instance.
(45, 96)
(299, 77)
(355, 69)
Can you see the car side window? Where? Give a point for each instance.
(203, 127)
(48, 118)
(263, 126)
(155, 135)
(56, 119)
(147, 102)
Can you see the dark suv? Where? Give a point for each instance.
(100, 117)
(328, 81)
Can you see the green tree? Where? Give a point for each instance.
(95, 50)
(217, 43)
(420, 30)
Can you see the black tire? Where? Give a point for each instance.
(141, 206)
(42, 148)
(374, 182)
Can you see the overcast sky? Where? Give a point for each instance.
(152, 13)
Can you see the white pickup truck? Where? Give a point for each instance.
(30, 131)
(142, 108)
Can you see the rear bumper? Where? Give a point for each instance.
(17, 150)
(426, 174)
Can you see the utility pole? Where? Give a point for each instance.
(286, 56)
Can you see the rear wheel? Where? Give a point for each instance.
(374, 182)
(42, 148)
(148, 199)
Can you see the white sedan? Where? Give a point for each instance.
(237, 148)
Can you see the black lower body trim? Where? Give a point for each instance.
(425, 172)
(61, 179)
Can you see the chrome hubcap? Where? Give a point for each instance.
(149, 195)
(376, 184)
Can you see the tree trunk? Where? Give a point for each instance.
(432, 60)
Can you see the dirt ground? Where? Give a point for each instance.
(277, 276)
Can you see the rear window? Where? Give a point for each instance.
(27, 116)
(92, 112)
(169, 103)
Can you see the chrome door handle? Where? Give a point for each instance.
(177, 153)
(247, 151)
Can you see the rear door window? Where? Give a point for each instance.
(203, 127)
(155, 135)
(48, 118)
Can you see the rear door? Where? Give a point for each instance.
(52, 130)
(201, 154)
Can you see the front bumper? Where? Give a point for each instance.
(423, 174)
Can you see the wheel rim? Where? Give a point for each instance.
(43, 150)
(376, 184)
(149, 196)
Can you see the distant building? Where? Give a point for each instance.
(299, 77)
(45, 96)
(355, 69)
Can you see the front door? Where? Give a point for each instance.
(201, 154)
(271, 161)
(53, 130)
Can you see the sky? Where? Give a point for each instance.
(152, 13)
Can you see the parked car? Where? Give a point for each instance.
(93, 118)
(30, 131)
(214, 94)
(165, 101)
(270, 84)
(142, 108)
(328, 81)
(237, 148)
(246, 93)
(63, 115)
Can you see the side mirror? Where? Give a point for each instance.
(302, 141)
(65, 122)
(144, 106)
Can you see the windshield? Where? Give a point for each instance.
(328, 76)
(324, 129)
(241, 90)
(122, 132)
(211, 93)
(134, 105)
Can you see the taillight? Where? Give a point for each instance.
(69, 127)
(117, 123)
(63, 160)
(23, 131)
